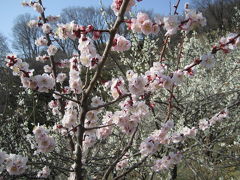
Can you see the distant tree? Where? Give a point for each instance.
(4, 49)
(219, 13)
(24, 37)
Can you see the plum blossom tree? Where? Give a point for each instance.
(97, 138)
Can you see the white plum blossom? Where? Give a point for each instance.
(16, 164)
(136, 97)
(43, 58)
(135, 26)
(178, 77)
(86, 46)
(167, 83)
(46, 28)
(193, 19)
(89, 57)
(90, 61)
(45, 143)
(147, 27)
(117, 87)
(207, 60)
(142, 17)
(96, 101)
(125, 121)
(91, 119)
(68, 30)
(47, 69)
(120, 43)
(140, 109)
(130, 74)
(18, 67)
(177, 137)
(61, 77)
(123, 163)
(204, 124)
(235, 42)
(171, 24)
(104, 132)
(155, 29)
(116, 5)
(28, 82)
(143, 24)
(32, 23)
(167, 161)
(52, 50)
(75, 82)
(38, 7)
(85, 60)
(137, 85)
(42, 41)
(53, 104)
(218, 117)
(148, 146)
(44, 82)
(186, 131)
(70, 117)
(51, 18)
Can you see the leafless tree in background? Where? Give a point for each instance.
(219, 13)
(4, 49)
(24, 37)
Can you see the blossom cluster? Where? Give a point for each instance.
(42, 83)
(126, 119)
(116, 5)
(107, 121)
(69, 119)
(45, 142)
(139, 85)
(143, 24)
(163, 136)
(229, 43)
(205, 123)
(35, 5)
(150, 144)
(123, 163)
(120, 43)
(167, 161)
(42, 41)
(89, 56)
(172, 23)
(55, 106)
(73, 31)
(75, 82)
(208, 60)
(117, 87)
(14, 164)
(91, 121)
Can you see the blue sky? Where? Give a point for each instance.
(10, 9)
